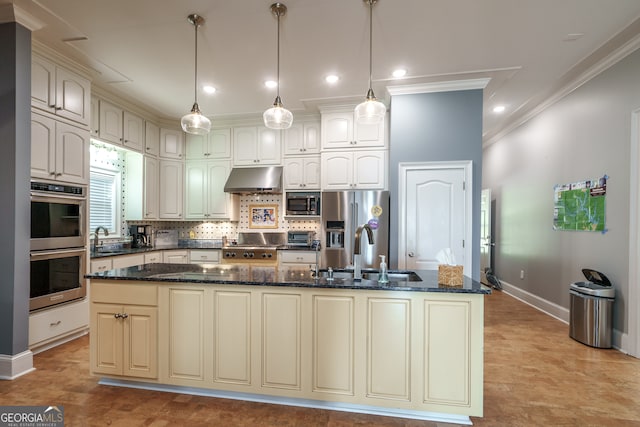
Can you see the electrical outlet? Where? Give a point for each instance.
(521, 274)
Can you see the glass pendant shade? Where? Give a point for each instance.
(195, 123)
(277, 117)
(371, 111)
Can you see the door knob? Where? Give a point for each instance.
(410, 254)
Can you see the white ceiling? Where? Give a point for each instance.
(143, 50)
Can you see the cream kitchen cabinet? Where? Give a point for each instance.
(54, 326)
(118, 126)
(59, 91)
(171, 144)
(101, 264)
(124, 261)
(150, 201)
(302, 173)
(180, 256)
(205, 256)
(141, 187)
(59, 151)
(124, 330)
(290, 258)
(215, 145)
(340, 130)
(256, 146)
(151, 139)
(171, 189)
(344, 170)
(204, 191)
(302, 138)
(153, 257)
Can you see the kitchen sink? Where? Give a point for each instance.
(112, 251)
(394, 276)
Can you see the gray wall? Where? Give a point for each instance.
(585, 135)
(15, 160)
(441, 126)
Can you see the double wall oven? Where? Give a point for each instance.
(58, 243)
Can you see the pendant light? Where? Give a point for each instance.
(371, 111)
(194, 122)
(278, 117)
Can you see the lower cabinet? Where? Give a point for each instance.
(175, 257)
(123, 338)
(404, 350)
(56, 325)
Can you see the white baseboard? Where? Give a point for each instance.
(12, 367)
(547, 307)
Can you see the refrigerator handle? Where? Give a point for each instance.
(352, 229)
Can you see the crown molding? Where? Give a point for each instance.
(449, 86)
(12, 13)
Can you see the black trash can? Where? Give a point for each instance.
(591, 313)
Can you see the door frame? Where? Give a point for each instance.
(467, 167)
(633, 317)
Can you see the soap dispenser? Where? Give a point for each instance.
(383, 276)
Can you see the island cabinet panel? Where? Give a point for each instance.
(447, 362)
(389, 348)
(125, 340)
(333, 344)
(281, 340)
(232, 337)
(186, 324)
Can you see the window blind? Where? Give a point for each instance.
(103, 201)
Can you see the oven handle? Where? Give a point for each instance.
(80, 251)
(50, 196)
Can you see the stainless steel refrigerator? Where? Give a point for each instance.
(342, 213)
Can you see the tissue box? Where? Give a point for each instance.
(450, 275)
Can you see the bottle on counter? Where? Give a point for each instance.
(383, 276)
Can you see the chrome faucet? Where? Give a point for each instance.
(357, 263)
(95, 236)
(316, 271)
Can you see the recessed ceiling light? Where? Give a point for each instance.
(499, 109)
(400, 72)
(332, 78)
(209, 89)
(271, 84)
(571, 37)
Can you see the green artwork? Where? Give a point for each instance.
(580, 206)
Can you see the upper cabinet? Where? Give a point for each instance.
(215, 145)
(302, 138)
(151, 139)
(340, 130)
(59, 151)
(117, 126)
(345, 170)
(171, 142)
(59, 91)
(256, 146)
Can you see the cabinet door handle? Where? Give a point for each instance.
(411, 254)
(52, 173)
(117, 315)
(124, 315)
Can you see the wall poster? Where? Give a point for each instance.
(580, 206)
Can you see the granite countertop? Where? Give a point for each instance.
(256, 275)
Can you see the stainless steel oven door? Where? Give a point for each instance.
(57, 222)
(56, 277)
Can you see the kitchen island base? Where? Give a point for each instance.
(304, 403)
(402, 347)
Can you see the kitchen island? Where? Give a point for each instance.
(405, 348)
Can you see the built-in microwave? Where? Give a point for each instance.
(57, 216)
(307, 203)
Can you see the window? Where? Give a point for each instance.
(103, 200)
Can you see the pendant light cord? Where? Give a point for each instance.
(195, 71)
(278, 57)
(370, 42)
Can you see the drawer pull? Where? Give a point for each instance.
(55, 323)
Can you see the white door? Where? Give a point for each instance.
(485, 233)
(435, 214)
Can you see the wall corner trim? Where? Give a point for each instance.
(12, 13)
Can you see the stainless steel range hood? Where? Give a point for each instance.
(255, 180)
